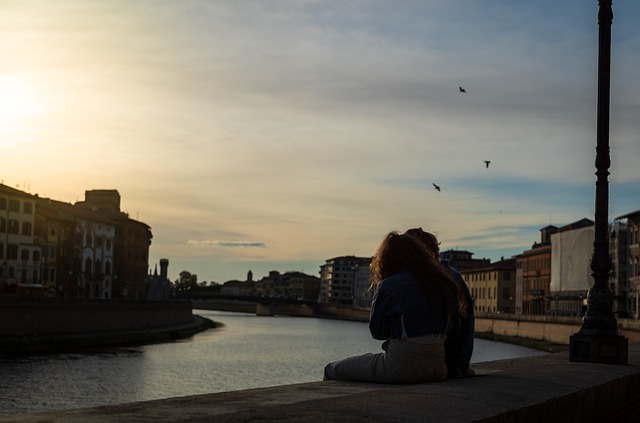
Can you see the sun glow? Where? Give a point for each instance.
(18, 99)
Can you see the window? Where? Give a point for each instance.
(1, 250)
(12, 252)
(14, 205)
(36, 255)
(13, 226)
(24, 254)
(3, 203)
(3, 224)
(505, 294)
(88, 267)
(27, 207)
(26, 228)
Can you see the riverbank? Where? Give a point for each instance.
(67, 343)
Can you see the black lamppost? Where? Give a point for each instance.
(598, 340)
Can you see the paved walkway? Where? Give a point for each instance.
(536, 389)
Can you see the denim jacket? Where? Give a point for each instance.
(400, 309)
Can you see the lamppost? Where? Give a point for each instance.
(598, 340)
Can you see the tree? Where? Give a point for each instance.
(186, 282)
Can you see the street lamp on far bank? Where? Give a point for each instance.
(598, 340)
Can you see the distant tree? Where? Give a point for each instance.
(186, 281)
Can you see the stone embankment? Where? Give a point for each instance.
(50, 326)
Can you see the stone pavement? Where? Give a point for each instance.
(536, 389)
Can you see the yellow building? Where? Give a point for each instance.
(493, 288)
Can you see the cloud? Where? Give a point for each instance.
(225, 244)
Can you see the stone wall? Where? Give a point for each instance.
(552, 329)
(46, 317)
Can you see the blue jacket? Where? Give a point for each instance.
(400, 309)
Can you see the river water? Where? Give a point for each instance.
(249, 351)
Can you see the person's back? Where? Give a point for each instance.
(459, 345)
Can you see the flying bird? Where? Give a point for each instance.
(436, 187)
(487, 163)
(462, 90)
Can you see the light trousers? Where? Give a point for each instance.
(403, 360)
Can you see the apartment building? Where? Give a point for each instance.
(132, 241)
(493, 287)
(19, 255)
(87, 250)
(632, 267)
(535, 265)
(295, 285)
(338, 279)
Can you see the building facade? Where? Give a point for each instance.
(132, 241)
(632, 268)
(493, 288)
(572, 248)
(19, 254)
(535, 265)
(338, 279)
(72, 250)
(293, 285)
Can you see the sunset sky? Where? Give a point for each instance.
(276, 134)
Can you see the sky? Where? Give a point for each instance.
(275, 135)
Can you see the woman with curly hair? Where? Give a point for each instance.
(415, 306)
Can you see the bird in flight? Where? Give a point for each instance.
(462, 90)
(487, 163)
(436, 187)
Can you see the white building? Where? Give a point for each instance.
(96, 239)
(338, 279)
(571, 251)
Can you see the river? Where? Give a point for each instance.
(248, 351)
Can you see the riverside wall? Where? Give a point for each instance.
(547, 329)
(28, 318)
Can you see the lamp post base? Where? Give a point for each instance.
(598, 349)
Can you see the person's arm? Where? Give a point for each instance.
(378, 323)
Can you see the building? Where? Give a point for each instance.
(238, 288)
(619, 278)
(132, 241)
(493, 287)
(20, 256)
(87, 250)
(463, 260)
(294, 285)
(571, 251)
(363, 295)
(632, 223)
(54, 232)
(159, 287)
(519, 284)
(535, 266)
(338, 279)
(95, 235)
